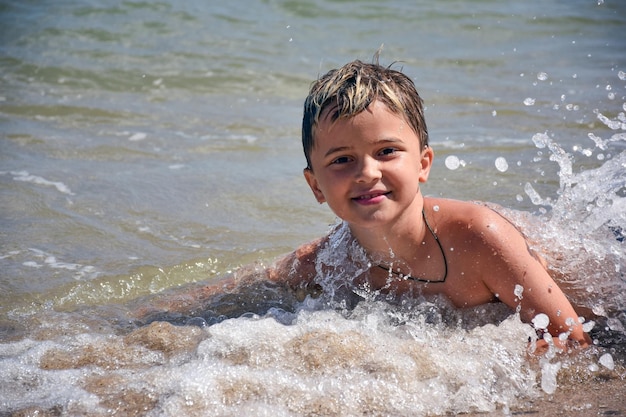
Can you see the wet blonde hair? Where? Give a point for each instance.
(351, 89)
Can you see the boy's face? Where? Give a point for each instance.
(368, 167)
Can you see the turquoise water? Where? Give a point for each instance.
(145, 145)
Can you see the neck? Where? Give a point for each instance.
(399, 240)
(408, 256)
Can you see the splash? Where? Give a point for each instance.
(581, 233)
(376, 359)
(340, 260)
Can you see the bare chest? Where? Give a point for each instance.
(461, 288)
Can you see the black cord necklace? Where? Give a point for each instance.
(443, 254)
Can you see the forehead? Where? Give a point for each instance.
(376, 113)
(374, 124)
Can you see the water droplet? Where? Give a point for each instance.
(541, 140)
(548, 376)
(541, 321)
(588, 326)
(529, 101)
(542, 76)
(452, 162)
(494, 113)
(616, 325)
(518, 291)
(435, 208)
(622, 75)
(501, 164)
(606, 360)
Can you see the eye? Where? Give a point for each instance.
(341, 160)
(388, 151)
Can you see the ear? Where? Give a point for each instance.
(312, 181)
(426, 163)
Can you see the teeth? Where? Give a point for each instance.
(367, 197)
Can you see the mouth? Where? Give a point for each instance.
(371, 198)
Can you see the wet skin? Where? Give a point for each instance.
(368, 169)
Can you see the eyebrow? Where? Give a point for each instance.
(337, 149)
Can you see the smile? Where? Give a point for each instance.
(372, 198)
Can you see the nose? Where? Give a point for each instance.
(368, 170)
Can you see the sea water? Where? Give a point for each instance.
(150, 145)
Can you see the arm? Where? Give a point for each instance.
(519, 278)
(249, 289)
(297, 269)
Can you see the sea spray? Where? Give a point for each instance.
(549, 372)
(375, 358)
(586, 229)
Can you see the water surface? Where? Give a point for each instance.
(146, 145)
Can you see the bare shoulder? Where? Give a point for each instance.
(297, 269)
(462, 213)
(472, 223)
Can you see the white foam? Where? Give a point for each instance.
(135, 137)
(34, 179)
(10, 254)
(378, 357)
(49, 260)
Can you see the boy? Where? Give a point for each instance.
(366, 146)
